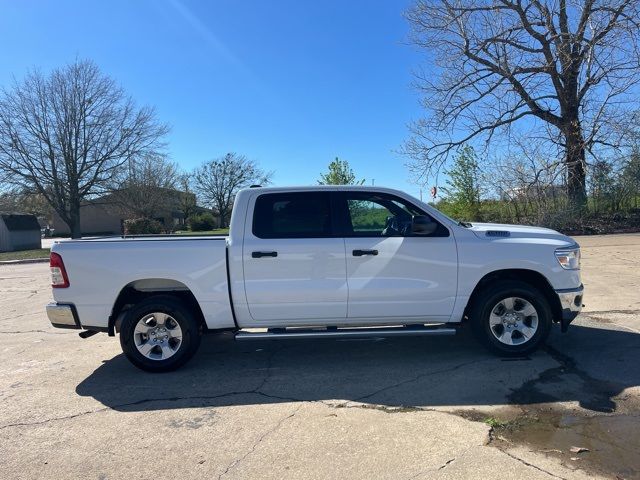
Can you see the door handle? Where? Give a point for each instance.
(360, 253)
(263, 254)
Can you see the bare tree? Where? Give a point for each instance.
(527, 182)
(217, 182)
(143, 186)
(65, 135)
(567, 66)
(8, 200)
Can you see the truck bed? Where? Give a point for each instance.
(100, 269)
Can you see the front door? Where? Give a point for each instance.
(294, 270)
(391, 272)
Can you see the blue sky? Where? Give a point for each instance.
(291, 84)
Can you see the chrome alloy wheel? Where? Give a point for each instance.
(157, 336)
(513, 321)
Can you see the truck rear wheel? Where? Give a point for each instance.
(511, 318)
(159, 334)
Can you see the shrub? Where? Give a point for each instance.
(141, 226)
(200, 222)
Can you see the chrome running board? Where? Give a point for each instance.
(345, 332)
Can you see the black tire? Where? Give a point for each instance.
(490, 297)
(172, 306)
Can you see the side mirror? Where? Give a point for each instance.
(423, 225)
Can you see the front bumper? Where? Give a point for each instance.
(571, 305)
(63, 315)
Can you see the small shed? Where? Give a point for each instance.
(19, 232)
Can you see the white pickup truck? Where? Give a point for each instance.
(314, 262)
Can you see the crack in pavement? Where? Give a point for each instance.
(441, 467)
(31, 293)
(607, 312)
(143, 401)
(13, 317)
(235, 463)
(611, 322)
(382, 408)
(528, 464)
(424, 472)
(17, 277)
(269, 365)
(421, 376)
(446, 464)
(35, 331)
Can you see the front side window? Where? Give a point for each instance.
(382, 215)
(292, 215)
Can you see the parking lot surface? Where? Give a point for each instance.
(397, 408)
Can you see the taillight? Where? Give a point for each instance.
(59, 277)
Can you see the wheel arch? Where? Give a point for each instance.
(532, 277)
(141, 289)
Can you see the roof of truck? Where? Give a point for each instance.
(366, 188)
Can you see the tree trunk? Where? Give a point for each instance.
(224, 223)
(74, 222)
(575, 165)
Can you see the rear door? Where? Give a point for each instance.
(392, 273)
(294, 267)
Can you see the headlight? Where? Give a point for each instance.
(569, 258)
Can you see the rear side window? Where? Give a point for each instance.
(292, 215)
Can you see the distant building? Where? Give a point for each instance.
(95, 219)
(19, 232)
(106, 215)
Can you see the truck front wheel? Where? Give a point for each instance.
(511, 318)
(159, 334)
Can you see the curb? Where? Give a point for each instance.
(25, 261)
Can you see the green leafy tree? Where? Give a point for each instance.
(603, 184)
(340, 173)
(631, 176)
(200, 222)
(463, 190)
